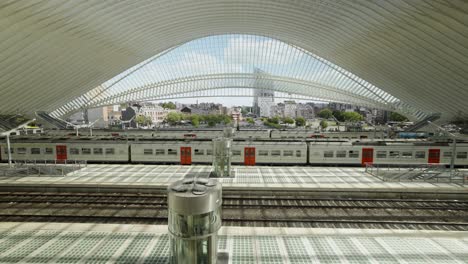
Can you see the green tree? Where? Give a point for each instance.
(300, 121)
(352, 116)
(173, 118)
(394, 116)
(195, 120)
(338, 115)
(244, 110)
(140, 120)
(227, 119)
(250, 120)
(323, 124)
(211, 122)
(169, 105)
(325, 113)
(148, 121)
(273, 125)
(274, 120)
(288, 120)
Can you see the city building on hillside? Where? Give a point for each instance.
(235, 113)
(205, 109)
(186, 110)
(290, 108)
(305, 110)
(264, 99)
(102, 115)
(156, 112)
(341, 107)
(277, 110)
(128, 116)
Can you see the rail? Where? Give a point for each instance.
(434, 173)
(43, 167)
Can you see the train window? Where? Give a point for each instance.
(97, 151)
(447, 154)
(110, 151)
(462, 155)
(236, 152)
(341, 153)
(21, 150)
(160, 152)
(276, 153)
(407, 154)
(381, 154)
(85, 151)
(328, 154)
(394, 154)
(286, 153)
(353, 154)
(209, 152)
(263, 152)
(35, 151)
(298, 153)
(420, 154)
(199, 152)
(172, 152)
(74, 151)
(147, 151)
(49, 151)
(11, 151)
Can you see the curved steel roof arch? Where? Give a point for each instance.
(217, 81)
(238, 58)
(54, 51)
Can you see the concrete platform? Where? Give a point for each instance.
(111, 243)
(144, 178)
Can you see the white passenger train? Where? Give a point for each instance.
(248, 152)
(213, 133)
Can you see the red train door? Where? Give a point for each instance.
(61, 153)
(367, 156)
(185, 155)
(434, 156)
(249, 156)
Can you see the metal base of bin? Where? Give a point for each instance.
(223, 258)
(231, 175)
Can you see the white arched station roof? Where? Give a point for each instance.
(53, 52)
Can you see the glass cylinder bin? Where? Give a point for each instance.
(222, 157)
(228, 132)
(194, 220)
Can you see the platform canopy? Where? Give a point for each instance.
(408, 56)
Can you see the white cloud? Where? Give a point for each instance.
(254, 51)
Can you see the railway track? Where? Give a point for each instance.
(240, 211)
(236, 201)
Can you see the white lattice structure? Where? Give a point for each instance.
(409, 55)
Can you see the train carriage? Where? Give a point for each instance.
(246, 152)
(306, 134)
(269, 152)
(62, 150)
(183, 152)
(385, 153)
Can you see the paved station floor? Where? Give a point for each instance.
(113, 243)
(280, 177)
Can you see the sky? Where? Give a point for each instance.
(229, 54)
(228, 101)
